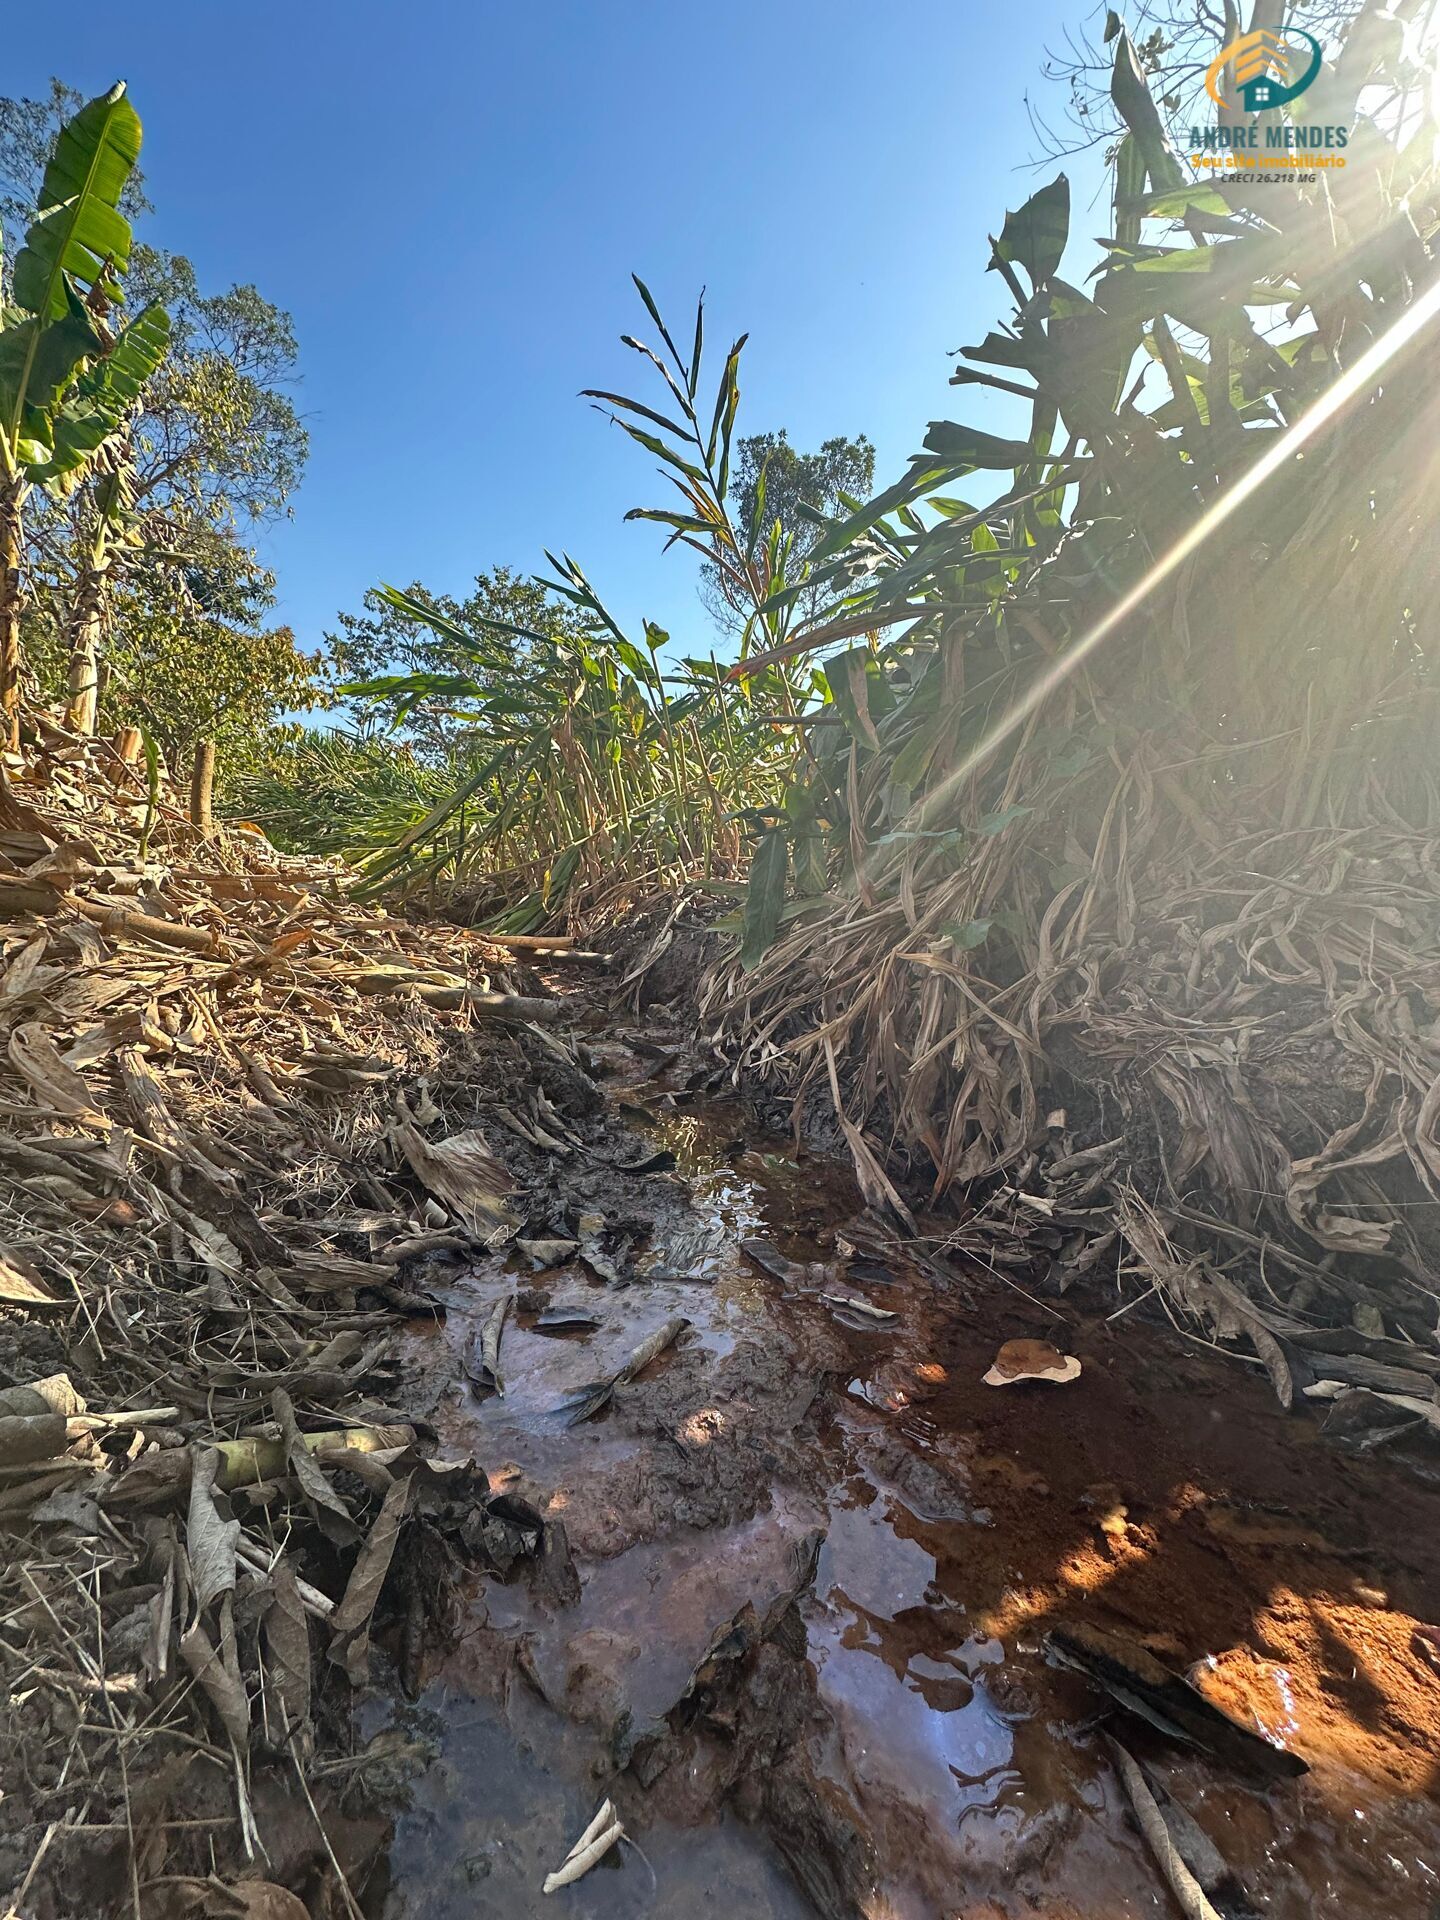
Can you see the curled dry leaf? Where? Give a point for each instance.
(587, 1402)
(594, 1843)
(483, 1367)
(1020, 1360)
(461, 1172)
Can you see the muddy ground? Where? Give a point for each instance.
(803, 1641)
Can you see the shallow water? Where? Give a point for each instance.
(1162, 1494)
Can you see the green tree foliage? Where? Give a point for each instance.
(384, 641)
(212, 448)
(774, 484)
(575, 762)
(68, 378)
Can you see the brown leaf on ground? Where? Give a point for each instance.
(462, 1173)
(36, 1058)
(21, 1284)
(330, 1512)
(287, 1649)
(209, 1540)
(223, 1688)
(350, 1623)
(1031, 1360)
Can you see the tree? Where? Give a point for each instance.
(214, 448)
(66, 381)
(774, 483)
(382, 641)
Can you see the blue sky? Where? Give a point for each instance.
(450, 198)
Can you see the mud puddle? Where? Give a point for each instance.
(817, 1561)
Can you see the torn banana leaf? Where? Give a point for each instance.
(585, 1404)
(463, 1174)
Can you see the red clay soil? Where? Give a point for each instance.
(915, 1751)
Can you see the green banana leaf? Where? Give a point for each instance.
(80, 232)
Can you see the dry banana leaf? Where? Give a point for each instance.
(462, 1173)
(36, 1058)
(350, 1622)
(585, 1404)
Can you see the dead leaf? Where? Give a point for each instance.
(223, 1688)
(350, 1622)
(209, 1540)
(287, 1648)
(36, 1058)
(25, 974)
(1021, 1360)
(330, 1512)
(547, 1253)
(255, 1900)
(462, 1172)
(20, 1282)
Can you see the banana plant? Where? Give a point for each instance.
(67, 383)
(93, 445)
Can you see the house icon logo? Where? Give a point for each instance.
(1263, 70)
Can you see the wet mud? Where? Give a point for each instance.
(803, 1643)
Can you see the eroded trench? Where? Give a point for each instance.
(817, 1563)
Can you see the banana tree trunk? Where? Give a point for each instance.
(87, 617)
(12, 542)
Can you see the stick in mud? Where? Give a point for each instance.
(1189, 1894)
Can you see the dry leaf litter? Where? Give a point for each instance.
(237, 1116)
